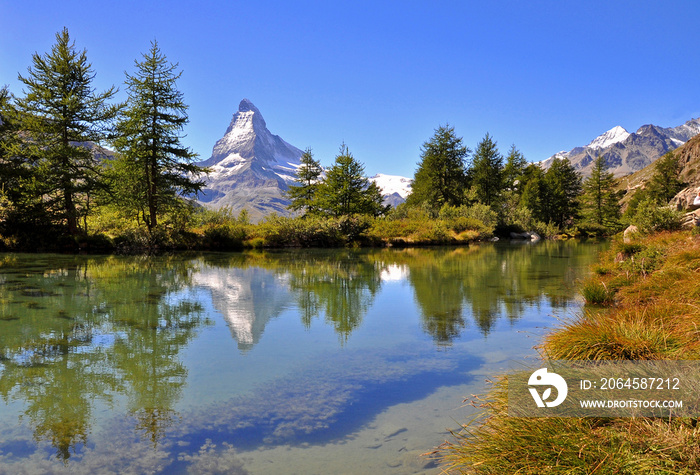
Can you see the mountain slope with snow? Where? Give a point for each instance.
(626, 152)
(395, 189)
(250, 167)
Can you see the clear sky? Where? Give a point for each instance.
(382, 75)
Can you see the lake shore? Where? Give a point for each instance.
(641, 304)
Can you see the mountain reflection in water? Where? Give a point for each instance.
(92, 348)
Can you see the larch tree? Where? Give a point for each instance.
(346, 190)
(486, 172)
(441, 175)
(665, 182)
(562, 187)
(514, 169)
(154, 169)
(600, 200)
(303, 193)
(62, 117)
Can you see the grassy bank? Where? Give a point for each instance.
(642, 302)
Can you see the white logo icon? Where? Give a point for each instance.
(542, 378)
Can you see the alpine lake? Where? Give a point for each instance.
(287, 362)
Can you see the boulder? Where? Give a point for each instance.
(683, 201)
(691, 220)
(630, 233)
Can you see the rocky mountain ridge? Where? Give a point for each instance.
(625, 152)
(252, 169)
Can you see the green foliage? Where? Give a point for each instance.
(596, 293)
(600, 200)
(514, 170)
(486, 172)
(478, 217)
(313, 231)
(665, 182)
(59, 116)
(346, 191)
(441, 175)
(303, 193)
(153, 167)
(649, 217)
(562, 189)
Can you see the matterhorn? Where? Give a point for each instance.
(250, 168)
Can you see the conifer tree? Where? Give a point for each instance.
(514, 169)
(303, 193)
(154, 168)
(347, 191)
(600, 200)
(562, 187)
(665, 181)
(486, 172)
(441, 176)
(61, 115)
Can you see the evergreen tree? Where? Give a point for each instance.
(665, 181)
(347, 191)
(61, 115)
(441, 176)
(303, 193)
(487, 172)
(600, 200)
(154, 168)
(514, 169)
(534, 192)
(562, 187)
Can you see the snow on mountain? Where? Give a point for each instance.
(626, 152)
(250, 167)
(394, 188)
(393, 184)
(614, 135)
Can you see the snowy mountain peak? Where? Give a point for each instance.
(393, 184)
(245, 106)
(614, 135)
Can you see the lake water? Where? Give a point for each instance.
(289, 362)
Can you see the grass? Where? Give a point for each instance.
(647, 307)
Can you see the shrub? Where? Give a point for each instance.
(649, 217)
(224, 237)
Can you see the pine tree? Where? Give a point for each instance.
(441, 176)
(154, 168)
(486, 172)
(534, 192)
(562, 187)
(665, 181)
(346, 190)
(514, 169)
(600, 200)
(303, 193)
(61, 115)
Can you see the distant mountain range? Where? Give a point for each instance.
(626, 152)
(252, 169)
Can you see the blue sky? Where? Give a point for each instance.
(382, 75)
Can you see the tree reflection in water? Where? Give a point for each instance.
(78, 331)
(102, 327)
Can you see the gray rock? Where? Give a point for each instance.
(630, 234)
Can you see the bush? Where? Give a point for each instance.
(307, 231)
(224, 237)
(649, 217)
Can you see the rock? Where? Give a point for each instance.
(630, 233)
(691, 220)
(684, 199)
